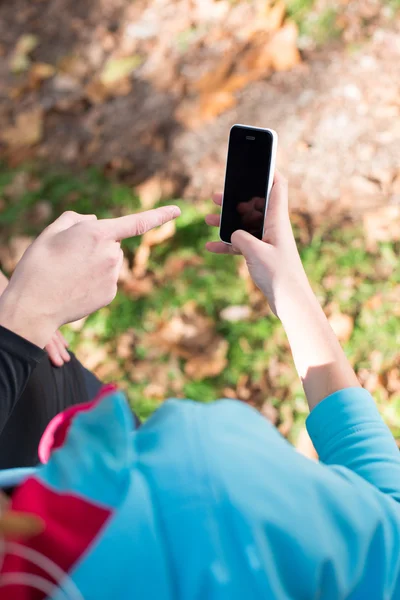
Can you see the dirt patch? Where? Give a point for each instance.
(149, 90)
(338, 120)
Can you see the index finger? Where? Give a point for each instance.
(125, 227)
(67, 220)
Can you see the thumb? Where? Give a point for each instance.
(278, 200)
(247, 244)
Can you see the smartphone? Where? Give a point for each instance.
(248, 180)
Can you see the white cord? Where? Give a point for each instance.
(62, 579)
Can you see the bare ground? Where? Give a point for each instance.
(337, 113)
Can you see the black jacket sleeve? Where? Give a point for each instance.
(18, 359)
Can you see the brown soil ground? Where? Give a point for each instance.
(337, 113)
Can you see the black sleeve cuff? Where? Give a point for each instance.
(18, 346)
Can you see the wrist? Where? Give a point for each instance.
(292, 292)
(17, 316)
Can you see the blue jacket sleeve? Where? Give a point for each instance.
(328, 531)
(347, 429)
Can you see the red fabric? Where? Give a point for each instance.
(56, 431)
(72, 523)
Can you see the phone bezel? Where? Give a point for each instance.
(274, 136)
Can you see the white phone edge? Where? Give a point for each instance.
(271, 170)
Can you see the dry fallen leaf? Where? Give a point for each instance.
(342, 325)
(27, 131)
(252, 392)
(65, 83)
(40, 213)
(256, 62)
(393, 381)
(161, 378)
(382, 225)
(141, 259)
(74, 65)
(374, 302)
(20, 60)
(110, 370)
(139, 288)
(283, 48)
(376, 360)
(270, 17)
(11, 254)
(154, 237)
(235, 313)
(264, 46)
(91, 355)
(192, 336)
(274, 14)
(18, 186)
(149, 239)
(96, 92)
(175, 265)
(125, 344)
(125, 273)
(155, 391)
(118, 68)
(39, 72)
(243, 391)
(181, 335)
(229, 393)
(270, 412)
(286, 415)
(210, 363)
(370, 381)
(150, 192)
(215, 79)
(123, 87)
(212, 105)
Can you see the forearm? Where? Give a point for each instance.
(318, 356)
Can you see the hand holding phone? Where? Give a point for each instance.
(274, 262)
(248, 180)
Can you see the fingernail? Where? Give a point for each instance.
(176, 211)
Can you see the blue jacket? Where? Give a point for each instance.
(209, 502)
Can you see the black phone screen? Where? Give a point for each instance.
(246, 181)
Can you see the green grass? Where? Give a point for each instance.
(319, 26)
(299, 9)
(358, 282)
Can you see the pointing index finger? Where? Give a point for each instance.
(125, 227)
